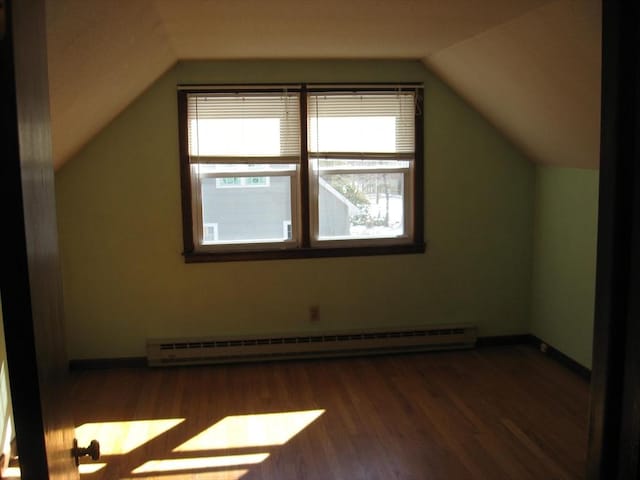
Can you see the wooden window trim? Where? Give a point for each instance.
(416, 246)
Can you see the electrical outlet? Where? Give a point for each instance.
(314, 313)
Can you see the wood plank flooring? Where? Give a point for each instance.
(490, 413)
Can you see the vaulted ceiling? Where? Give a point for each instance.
(531, 67)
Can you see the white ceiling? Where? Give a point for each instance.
(532, 67)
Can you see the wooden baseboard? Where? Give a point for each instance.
(538, 344)
(137, 362)
(560, 357)
(502, 340)
(493, 341)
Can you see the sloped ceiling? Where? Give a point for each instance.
(532, 67)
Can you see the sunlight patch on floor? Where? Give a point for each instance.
(218, 475)
(199, 463)
(243, 431)
(117, 438)
(234, 431)
(12, 472)
(88, 468)
(84, 469)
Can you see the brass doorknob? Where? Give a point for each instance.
(93, 450)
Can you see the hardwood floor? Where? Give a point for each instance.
(490, 413)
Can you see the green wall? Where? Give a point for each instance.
(564, 266)
(120, 231)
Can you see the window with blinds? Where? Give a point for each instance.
(231, 126)
(244, 156)
(339, 166)
(362, 144)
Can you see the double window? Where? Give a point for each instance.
(301, 171)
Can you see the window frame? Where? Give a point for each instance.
(305, 207)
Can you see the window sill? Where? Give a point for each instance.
(203, 257)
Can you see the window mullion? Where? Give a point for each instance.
(247, 174)
(284, 159)
(304, 172)
(417, 176)
(402, 156)
(364, 170)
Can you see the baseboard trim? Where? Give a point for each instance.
(560, 357)
(492, 341)
(106, 363)
(502, 340)
(541, 346)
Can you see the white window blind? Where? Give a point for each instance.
(379, 123)
(258, 127)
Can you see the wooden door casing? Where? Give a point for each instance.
(30, 280)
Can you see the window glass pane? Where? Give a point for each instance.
(360, 205)
(210, 232)
(242, 182)
(352, 134)
(243, 124)
(236, 137)
(361, 122)
(245, 209)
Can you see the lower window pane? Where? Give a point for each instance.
(246, 209)
(361, 205)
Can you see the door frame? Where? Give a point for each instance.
(614, 424)
(30, 281)
(614, 431)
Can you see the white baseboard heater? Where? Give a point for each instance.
(195, 351)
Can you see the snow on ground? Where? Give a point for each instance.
(378, 210)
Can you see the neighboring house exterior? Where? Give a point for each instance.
(229, 209)
(335, 211)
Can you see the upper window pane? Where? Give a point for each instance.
(352, 134)
(243, 125)
(368, 122)
(236, 137)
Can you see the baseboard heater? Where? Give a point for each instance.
(195, 351)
